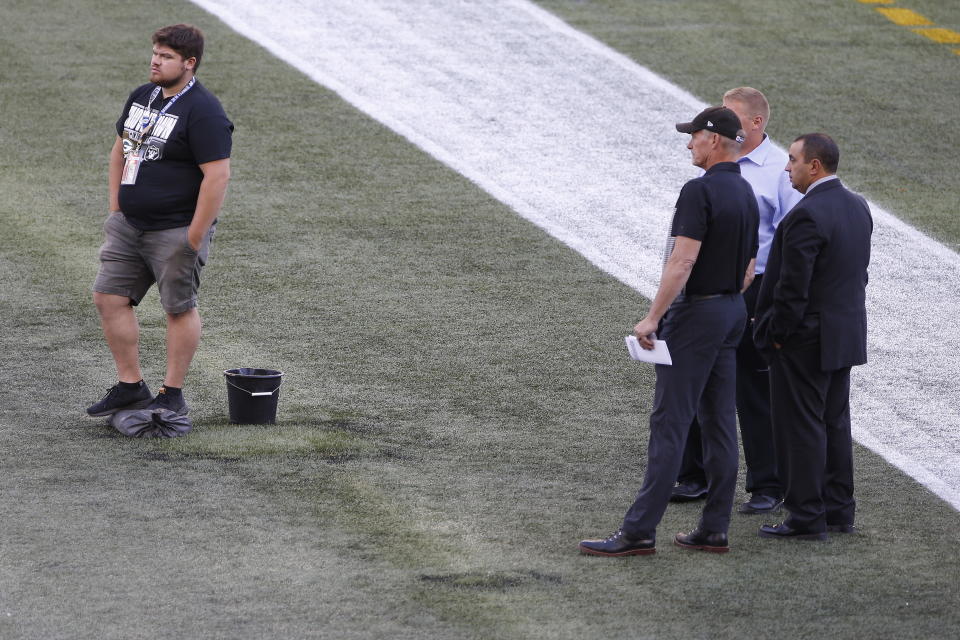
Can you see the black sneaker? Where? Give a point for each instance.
(759, 503)
(174, 403)
(118, 399)
(688, 492)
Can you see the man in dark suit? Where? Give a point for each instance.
(812, 326)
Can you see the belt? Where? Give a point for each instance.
(698, 297)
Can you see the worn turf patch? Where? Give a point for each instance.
(253, 441)
(491, 581)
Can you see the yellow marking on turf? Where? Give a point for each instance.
(910, 18)
(904, 17)
(943, 36)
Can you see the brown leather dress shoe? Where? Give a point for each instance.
(619, 544)
(700, 540)
(786, 532)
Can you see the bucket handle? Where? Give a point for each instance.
(256, 393)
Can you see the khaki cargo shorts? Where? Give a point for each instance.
(132, 260)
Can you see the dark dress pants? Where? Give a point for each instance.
(811, 418)
(702, 337)
(691, 464)
(753, 411)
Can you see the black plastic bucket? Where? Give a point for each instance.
(253, 394)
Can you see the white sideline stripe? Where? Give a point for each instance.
(579, 139)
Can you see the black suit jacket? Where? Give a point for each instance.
(814, 286)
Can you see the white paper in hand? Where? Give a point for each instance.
(658, 355)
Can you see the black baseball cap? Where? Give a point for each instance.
(716, 119)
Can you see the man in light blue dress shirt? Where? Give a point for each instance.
(762, 165)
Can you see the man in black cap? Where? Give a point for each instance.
(699, 311)
(761, 164)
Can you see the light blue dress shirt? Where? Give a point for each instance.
(764, 168)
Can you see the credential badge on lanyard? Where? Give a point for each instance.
(131, 166)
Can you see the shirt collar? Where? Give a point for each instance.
(759, 155)
(814, 185)
(724, 166)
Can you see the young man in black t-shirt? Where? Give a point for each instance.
(699, 311)
(169, 169)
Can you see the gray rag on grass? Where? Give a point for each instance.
(151, 423)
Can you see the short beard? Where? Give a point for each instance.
(166, 84)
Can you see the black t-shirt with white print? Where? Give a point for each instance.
(195, 130)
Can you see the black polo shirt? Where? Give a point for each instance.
(720, 210)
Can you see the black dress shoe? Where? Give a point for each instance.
(688, 492)
(786, 532)
(619, 544)
(842, 528)
(759, 503)
(703, 540)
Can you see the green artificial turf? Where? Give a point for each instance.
(888, 96)
(457, 411)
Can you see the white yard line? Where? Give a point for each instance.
(580, 140)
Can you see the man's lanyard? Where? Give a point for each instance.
(147, 122)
